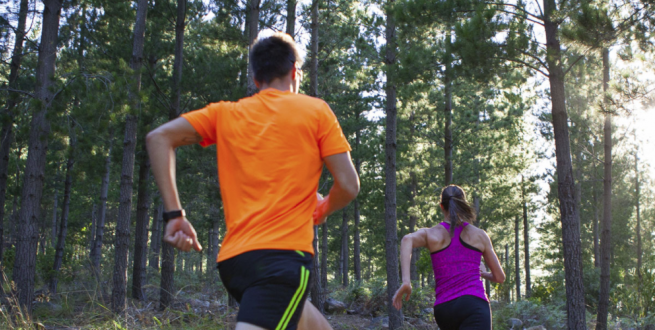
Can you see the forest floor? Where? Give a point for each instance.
(83, 311)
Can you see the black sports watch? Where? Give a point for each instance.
(173, 214)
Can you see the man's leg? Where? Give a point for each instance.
(247, 326)
(311, 319)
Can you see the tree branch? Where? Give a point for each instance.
(515, 14)
(516, 7)
(572, 64)
(9, 89)
(524, 63)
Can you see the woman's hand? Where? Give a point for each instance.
(487, 276)
(406, 288)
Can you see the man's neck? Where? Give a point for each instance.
(283, 85)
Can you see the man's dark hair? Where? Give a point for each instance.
(273, 57)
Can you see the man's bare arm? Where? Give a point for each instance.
(161, 144)
(344, 189)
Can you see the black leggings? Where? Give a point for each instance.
(465, 312)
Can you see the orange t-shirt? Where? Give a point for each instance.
(270, 150)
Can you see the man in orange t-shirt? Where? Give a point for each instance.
(271, 148)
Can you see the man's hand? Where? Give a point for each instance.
(181, 235)
(405, 289)
(320, 213)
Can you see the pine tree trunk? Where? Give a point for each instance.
(63, 224)
(356, 235)
(155, 245)
(180, 24)
(8, 119)
(14, 204)
(253, 30)
(339, 266)
(324, 248)
(506, 287)
(96, 251)
(291, 17)
(119, 289)
(357, 264)
(526, 241)
(215, 241)
(391, 226)
(168, 256)
(413, 274)
(94, 220)
(141, 230)
(167, 285)
(517, 259)
(596, 214)
(606, 234)
(318, 299)
(55, 206)
(638, 229)
(27, 235)
(448, 111)
(345, 260)
(575, 305)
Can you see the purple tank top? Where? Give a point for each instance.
(457, 269)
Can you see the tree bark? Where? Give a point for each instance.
(313, 78)
(253, 30)
(155, 245)
(291, 17)
(344, 247)
(638, 229)
(168, 254)
(575, 305)
(180, 24)
(118, 299)
(606, 234)
(318, 299)
(324, 247)
(318, 285)
(63, 224)
(391, 226)
(356, 248)
(141, 230)
(94, 220)
(96, 251)
(517, 258)
(448, 104)
(167, 275)
(28, 216)
(215, 240)
(6, 134)
(356, 234)
(506, 287)
(412, 226)
(526, 240)
(55, 206)
(596, 213)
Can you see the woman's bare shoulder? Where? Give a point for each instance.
(477, 232)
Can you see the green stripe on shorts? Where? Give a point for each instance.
(291, 309)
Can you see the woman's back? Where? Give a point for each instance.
(456, 261)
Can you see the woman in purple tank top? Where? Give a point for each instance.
(457, 248)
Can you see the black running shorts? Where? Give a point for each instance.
(270, 286)
(463, 313)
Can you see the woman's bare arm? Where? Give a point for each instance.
(408, 243)
(491, 259)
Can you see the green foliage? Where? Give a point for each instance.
(551, 316)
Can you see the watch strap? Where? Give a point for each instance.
(173, 214)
